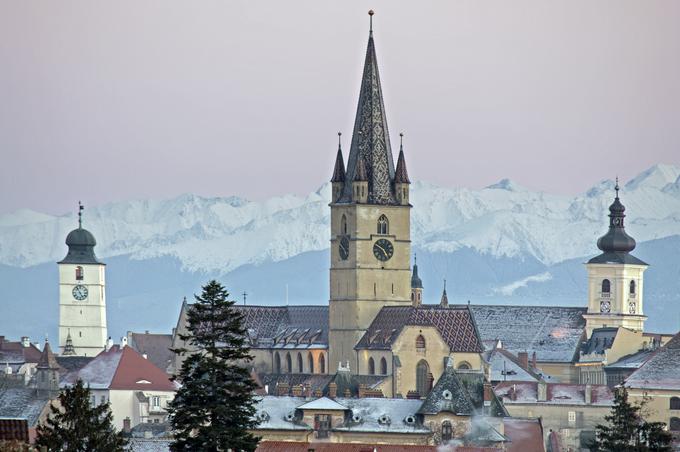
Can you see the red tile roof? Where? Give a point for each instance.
(133, 368)
(524, 435)
(286, 446)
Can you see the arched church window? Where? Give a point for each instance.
(447, 431)
(420, 342)
(674, 424)
(371, 366)
(383, 366)
(299, 363)
(277, 363)
(464, 365)
(383, 225)
(79, 273)
(606, 286)
(289, 364)
(422, 384)
(632, 288)
(675, 403)
(322, 364)
(343, 224)
(310, 363)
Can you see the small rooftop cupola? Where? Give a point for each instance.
(416, 285)
(69, 350)
(338, 179)
(47, 373)
(80, 244)
(401, 180)
(370, 137)
(616, 243)
(444, 302)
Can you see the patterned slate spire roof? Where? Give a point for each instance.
(47, 360)
(360, 173)
(416, 282)
(401, 175)
(445, 299)
(339, 170)
(69, 350)
(370, 139)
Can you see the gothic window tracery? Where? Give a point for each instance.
(422, 383)
(322, 364)
(383, 225)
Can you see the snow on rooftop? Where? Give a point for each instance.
(323, 403)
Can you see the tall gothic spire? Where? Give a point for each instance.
(370, 138)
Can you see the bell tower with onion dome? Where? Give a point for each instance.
(82, 295)
(615, 278)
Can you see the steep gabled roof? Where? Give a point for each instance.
(455, 325)
(660, 371)
(553, 332)
(155, 346)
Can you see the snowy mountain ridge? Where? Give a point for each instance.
(222, 234)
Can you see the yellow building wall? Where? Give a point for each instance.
(658, 403)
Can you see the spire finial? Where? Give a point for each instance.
(81, 207)
(339, 135)
(616, 187)
(415, 259)
(444, 284)
(370, 14)
(401, 140)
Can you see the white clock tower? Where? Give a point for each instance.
(615, 278)
(82, 296)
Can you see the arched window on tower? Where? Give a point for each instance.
(310, 362)
(632, 289)
(343, 225)
(277, 363)
(606, 287)
(299, 363)
(422, 383)
(675, 403)
(322, 364)
(383, 366)
(383, 225)
(371, 366)
(447, 431)
(79, 273)
(420, 342)
(289, 364)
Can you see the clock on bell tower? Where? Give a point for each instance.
(370, 225)
(82, 295)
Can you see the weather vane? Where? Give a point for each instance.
(370, 13)
(81, 207)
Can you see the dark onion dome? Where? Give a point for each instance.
(616, 244)
(81, 245)
(416, 282)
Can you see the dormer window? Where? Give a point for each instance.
(79, 273)
(383, 225)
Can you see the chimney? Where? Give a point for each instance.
(362, 391)
(126, 425)
(109, 344)
(25, 341)
(347, 393)
(123, 342)
(332, 390)
(413, 395)
(488, 396)
(589, 394)
(513, 393)
(318, 393)
(542, 391)
(533, 360)
(145, 356)
(282, 389)
(523, 358)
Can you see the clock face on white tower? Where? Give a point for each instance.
(79, 292)
(605, 306)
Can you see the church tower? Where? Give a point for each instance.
(615, 278)
(370, 224)
(82, 297)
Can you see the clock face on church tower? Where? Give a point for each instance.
(79, 292)
(383, 250)
(605, 306)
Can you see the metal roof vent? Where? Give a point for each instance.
(410, 420)
(356, 418)
(290, 416)
(447, 394)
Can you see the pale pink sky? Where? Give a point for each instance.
(106, 101)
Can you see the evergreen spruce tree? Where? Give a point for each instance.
(627, 430)
(75, 426)
(214, 407)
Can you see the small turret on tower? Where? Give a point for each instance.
(338, 179)
(444, 302)
(416, 285)
(401, 180)
(47, 373)
(360, 183)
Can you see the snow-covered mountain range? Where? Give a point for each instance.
(501, 244)
(222, 234)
